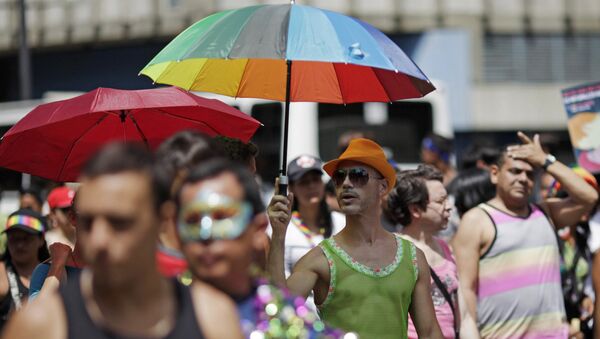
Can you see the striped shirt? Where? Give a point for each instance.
(519, 291)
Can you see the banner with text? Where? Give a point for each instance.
(583, 110)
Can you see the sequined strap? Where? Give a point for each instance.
(326, 247)
(413, 256)
(357, 266)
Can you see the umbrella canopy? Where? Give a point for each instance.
(243, 53)
(54, 140)
(249, 52)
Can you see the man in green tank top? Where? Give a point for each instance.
(364, 279)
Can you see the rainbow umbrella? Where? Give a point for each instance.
(249, 52)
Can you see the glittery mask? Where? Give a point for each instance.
(213, 216)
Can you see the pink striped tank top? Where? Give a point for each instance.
(519, 291)
(447, 273)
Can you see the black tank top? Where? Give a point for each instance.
(7, 305)
(80, 324)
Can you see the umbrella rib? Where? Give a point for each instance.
(188, 119)
(76, 141)
(338, 81)
(375, 72)
(237, 92)
(138, 129)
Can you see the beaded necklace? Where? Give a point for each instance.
(281, 315)
(307, 232)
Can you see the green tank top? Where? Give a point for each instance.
(372, 303)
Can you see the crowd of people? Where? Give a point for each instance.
(180, 243)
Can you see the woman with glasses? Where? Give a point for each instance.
(26, 248)
(420, 203)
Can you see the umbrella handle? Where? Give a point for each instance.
(283, 184)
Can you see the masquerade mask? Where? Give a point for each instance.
(213, 216)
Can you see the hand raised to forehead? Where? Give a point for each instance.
(530, 150)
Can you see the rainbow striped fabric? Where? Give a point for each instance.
(519, 293)
(24, 220)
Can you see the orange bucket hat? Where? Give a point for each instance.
(369, 153)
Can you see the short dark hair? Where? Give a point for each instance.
(475, 153)
(182, 150)
(35, 192)
(213, 168)
(411, 190)
(502, 154)
(122, 157)
(235, 149)
(470, 188)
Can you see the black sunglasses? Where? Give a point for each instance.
(358, 176)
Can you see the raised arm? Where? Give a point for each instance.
(421, 307)
(582, 196)
(304, 276)
(467, 244)
(47, 279)
(581, 200)
(280, 214)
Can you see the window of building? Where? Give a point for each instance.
(541, 58)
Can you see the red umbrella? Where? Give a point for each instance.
(54, 140)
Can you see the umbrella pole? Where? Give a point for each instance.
(283, 179)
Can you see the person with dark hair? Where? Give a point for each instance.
(470, 188)
(420, 203)
(221, 226)
(174, 158)
(479, 157)
(121, 294)
(436, 150)
(31, 198)
(506, 249)
(364, 279)
(312, 221)
(26, 248)
(238, 151)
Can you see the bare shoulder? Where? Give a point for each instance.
(315, 260)
(476, 232)
(44, 318)
(474, 224)
(422, 263)
(215, 312)
(208, 293)
(474, 215)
